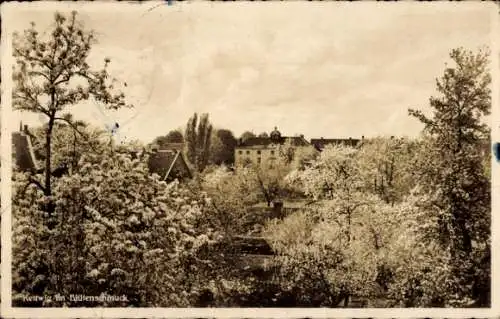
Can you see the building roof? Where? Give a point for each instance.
(255, 141)
(168, 163)
(24, 155)
(320, 143)
(266, 141)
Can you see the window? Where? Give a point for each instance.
(248, 152)
(240, 152)
(258, 152)
(272, 152)
(258, 160)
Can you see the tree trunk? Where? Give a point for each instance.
(49, 207)
(346, 300)
(348, 226)
(75, 157)
(48, 155)
(464, 241)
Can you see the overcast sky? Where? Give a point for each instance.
(318, 69)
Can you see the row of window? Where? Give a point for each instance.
(247, 161)
(258, 152)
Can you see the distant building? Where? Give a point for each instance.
(266, 151)
(167, 162)
(320, 143)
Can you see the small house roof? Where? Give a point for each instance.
(163, 162)
(25, 158)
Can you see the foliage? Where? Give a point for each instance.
(118, 230)
(174, 136)
(68, 144)
(335, 174)
(52, 74)
(345, 227)
(295, 157)
(419, 240)
(403, 219)
(387, 166)
(246, 135)
(231, 196)
(452, 175)
(198, 138)
(268, 183)
(222, 147)
(324, 261)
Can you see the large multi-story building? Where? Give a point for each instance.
(267, 151)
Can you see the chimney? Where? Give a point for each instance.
(25, 128)
(362, 137)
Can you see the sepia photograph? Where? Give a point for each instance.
(248, 155)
